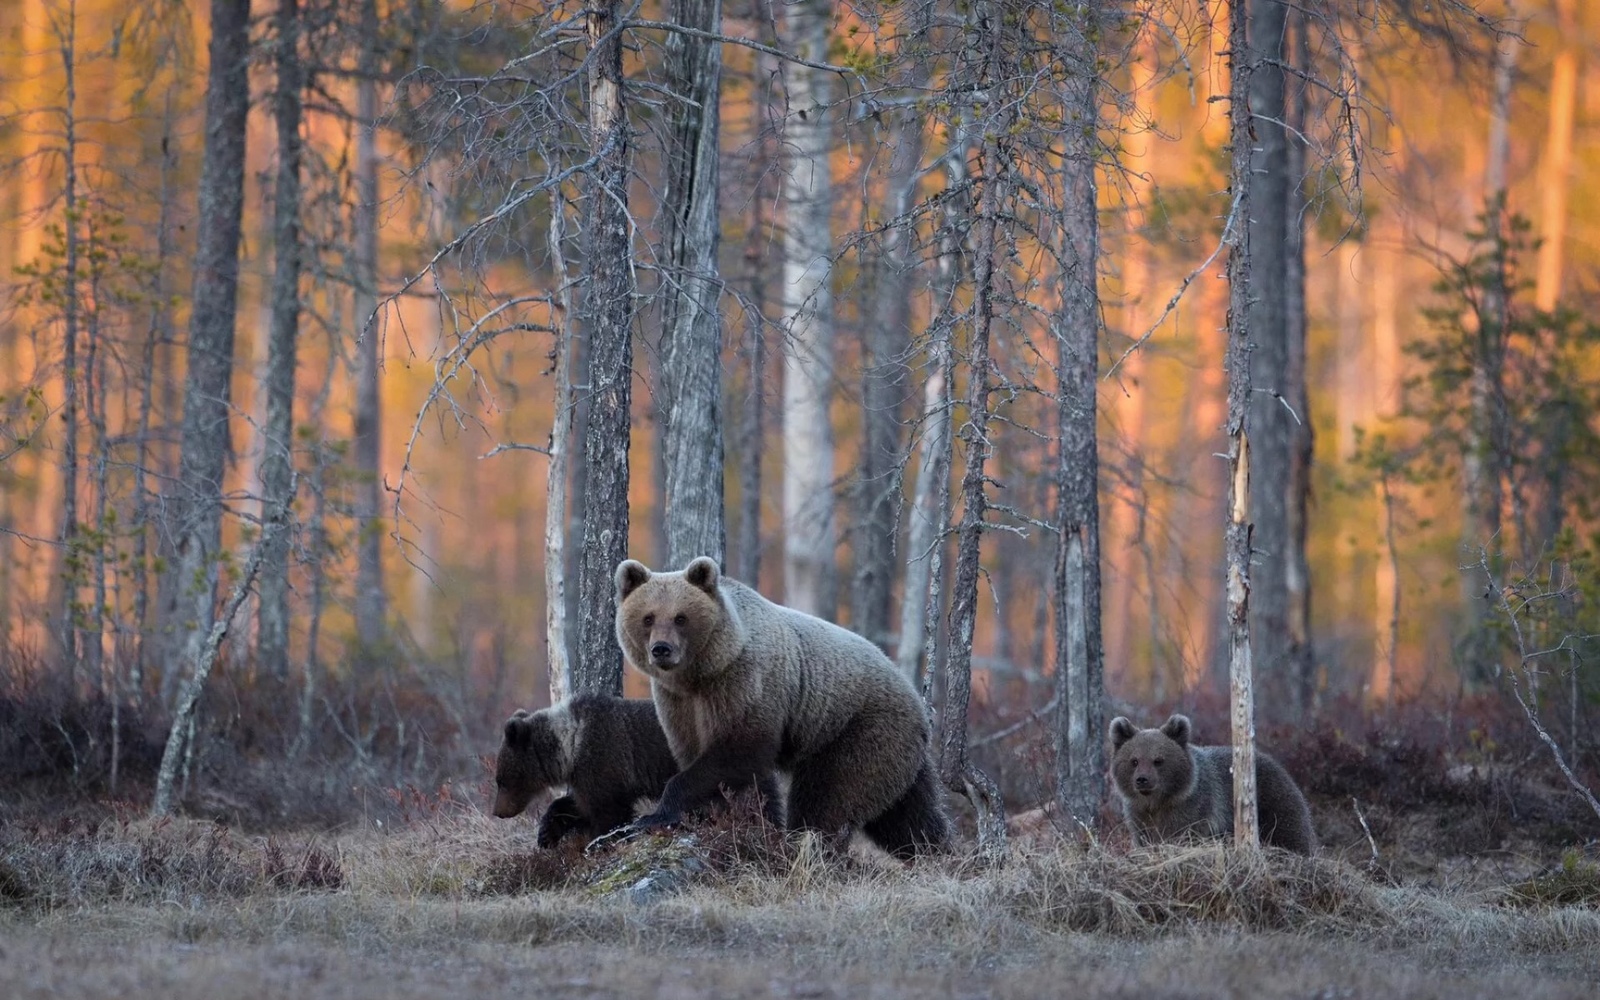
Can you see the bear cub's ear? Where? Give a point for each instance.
(703, 574)
(1122, 730)
(631, 574)
(519, 729)
(1177, 730)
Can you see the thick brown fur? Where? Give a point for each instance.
(1171, 789)
(607, 752)
(745, 688)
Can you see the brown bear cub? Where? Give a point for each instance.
(1171, 789)
(608, 753)
(746, 688)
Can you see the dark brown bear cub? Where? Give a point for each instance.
(1170, 789)
(608, 752)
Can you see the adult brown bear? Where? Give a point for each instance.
(745, 688)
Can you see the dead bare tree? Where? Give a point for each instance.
(1246, 826)
(692, 328)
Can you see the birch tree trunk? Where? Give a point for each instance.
(692, 338)
(921, 606)
(608, 313)
(809, 578)
(277, 460)
(1271, 424)
(181, 733)
(1240, 672)
(1079, 659)
(557, 646)
(1557, 171)
(753, 414)
(367, 450)
(197, 493)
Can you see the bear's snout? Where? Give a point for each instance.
(663, 654)
(1143, 784)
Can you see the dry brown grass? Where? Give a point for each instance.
(460, 904)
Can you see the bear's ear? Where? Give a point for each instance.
(631, 574)
(1122, 730)
(1177, 730)
(519, 730)
(703, 574)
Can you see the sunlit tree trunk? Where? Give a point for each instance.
(1079, 661)
(277, 459)
(1557, 172)
(809, 577)
(1386, 380)
(608, 314)
(1240, 289)
(692, 339)
(196, 496)
(367, 450)
(558, 648)
(69, 575)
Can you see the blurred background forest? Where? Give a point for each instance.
(367, 422)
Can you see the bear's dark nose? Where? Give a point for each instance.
(661, 651)
(1141, 782)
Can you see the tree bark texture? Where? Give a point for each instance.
(809, 577)
(370, 605)
(557, 645)
(1246, 826)
(1301, 663)
(1271, 424)
(921, 607)
(960, 775)
(69, 575)
(197, 493)
(277, 459)
(885, 343)
(692, 339)
(608, 316)
(1079, 657)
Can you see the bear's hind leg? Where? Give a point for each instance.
(856, 778)
(916, 823)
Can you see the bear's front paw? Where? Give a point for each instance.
(549, 835)
(657, 820)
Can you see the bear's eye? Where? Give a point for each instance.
(649, 621)
(680, 619)
(1158, 762)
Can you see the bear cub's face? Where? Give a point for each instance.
(1151, 766)
(529, 762)
(665, 619)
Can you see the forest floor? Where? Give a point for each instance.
(455, 904)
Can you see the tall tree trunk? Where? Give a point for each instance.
(197, 494)
(1301, 664)
(1271, 423)
(1386, 381)
(956, 769)
(692, 347)
(809, 577)
(921, 606)
(1240, 287)
(753, 413)
(608, 312)
(1079, 658)
(367, 450)
(69, 575)
(885, 343)
(277, 458)
(1558, 154)
(558, 648)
